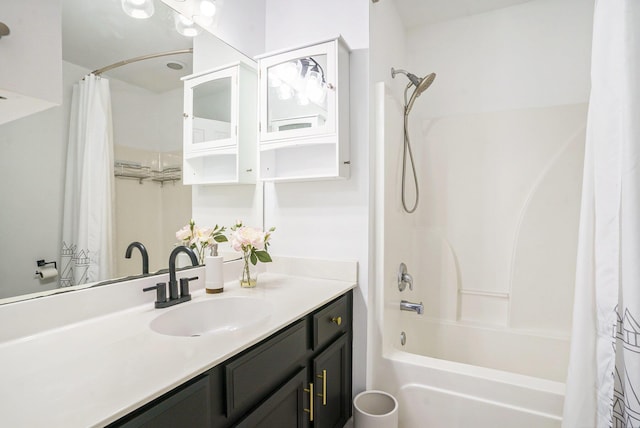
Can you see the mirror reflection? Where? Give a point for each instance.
(149, 203)
(297, 94)
(212, 110)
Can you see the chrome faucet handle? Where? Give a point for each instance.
(404, 278)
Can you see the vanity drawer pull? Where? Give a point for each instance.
(330, 322)
(310, 409)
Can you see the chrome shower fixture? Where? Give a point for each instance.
(421, 85)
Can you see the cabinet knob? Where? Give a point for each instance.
(337, 320)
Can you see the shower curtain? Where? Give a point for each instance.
(87, 233)
(603, 383)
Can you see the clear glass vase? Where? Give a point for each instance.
(248, 276)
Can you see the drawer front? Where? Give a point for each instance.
(331, 321)
(256, 374)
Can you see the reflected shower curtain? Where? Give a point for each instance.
(87, 233)
(603, 383)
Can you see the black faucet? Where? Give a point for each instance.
(173, 284)
(143, 251)
(161, 287)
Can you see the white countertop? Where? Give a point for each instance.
(93, 372)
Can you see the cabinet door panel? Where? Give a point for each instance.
(187, 407)
(283, 409)
(332, 377)
(262, 369)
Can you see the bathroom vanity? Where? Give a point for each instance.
(112, 363)
(299, 376)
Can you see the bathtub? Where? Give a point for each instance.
(442, 392)
(468, 360)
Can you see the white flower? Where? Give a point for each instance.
(184, 234)
(243, 238)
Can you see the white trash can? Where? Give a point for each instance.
(375, 409)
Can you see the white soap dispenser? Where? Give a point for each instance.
(213, 273)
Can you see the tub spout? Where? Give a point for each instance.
(413, 307)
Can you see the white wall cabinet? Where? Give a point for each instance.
(220, 132)
(304, 113)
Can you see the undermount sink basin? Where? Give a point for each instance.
(214, 316)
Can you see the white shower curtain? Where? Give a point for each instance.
(603, 383)
(87, 249)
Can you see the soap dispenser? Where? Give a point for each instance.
(213, 273)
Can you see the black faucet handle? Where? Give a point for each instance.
(184, 286)
(161, 292)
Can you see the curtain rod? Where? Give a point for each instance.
(140, 58)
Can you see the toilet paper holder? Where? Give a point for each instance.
(42, 263)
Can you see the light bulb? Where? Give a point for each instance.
(302, 99)
(285, 92)
(185, 26)
(139, 9)
(315, 90)
(207, 8)
(287, 71)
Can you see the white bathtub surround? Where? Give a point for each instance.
(89, 357)
(604, 369)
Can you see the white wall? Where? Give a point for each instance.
(535, 54)
(329, 219)
(388, 45)
(31, 75)
(34, 153)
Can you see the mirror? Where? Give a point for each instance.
(147, 106)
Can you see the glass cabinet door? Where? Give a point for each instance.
(210, 111)
(298, 94)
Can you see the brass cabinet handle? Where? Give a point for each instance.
(310, 409)
(337, 320)
(323, 376)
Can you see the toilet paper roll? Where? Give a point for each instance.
(47, 272)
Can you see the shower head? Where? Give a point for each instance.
(421, 84)
(425, 82)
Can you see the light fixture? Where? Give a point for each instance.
(139, 9)
(185, 26)
(303, 77)
(207, 8)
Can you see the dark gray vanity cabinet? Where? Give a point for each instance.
(182, 407)
(298, 377)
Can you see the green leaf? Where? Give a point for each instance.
(253, 258)
(220, 238)
(263, 256)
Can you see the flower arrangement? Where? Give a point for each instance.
(200, 238)
(254, 244)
